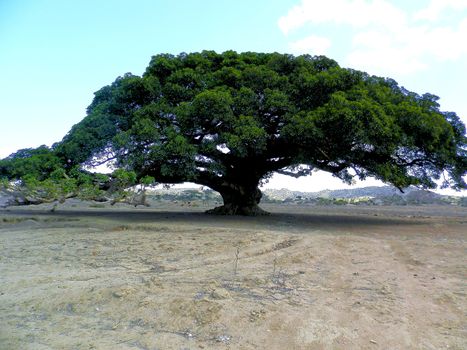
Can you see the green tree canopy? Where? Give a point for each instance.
(228, 121)
(38, 163)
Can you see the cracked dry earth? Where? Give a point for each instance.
(303, 278)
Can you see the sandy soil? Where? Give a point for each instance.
(173, 278)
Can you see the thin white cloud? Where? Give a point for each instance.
(447, 43)
(385, 39)
(407, 51)
(388, 61)
(433, 11)
(357, 13)
(315, 45)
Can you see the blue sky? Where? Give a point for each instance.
(54, 54)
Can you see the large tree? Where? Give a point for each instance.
(228, 121)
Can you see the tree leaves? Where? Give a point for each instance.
(229, 120)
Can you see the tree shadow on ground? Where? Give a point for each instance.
(322, 221)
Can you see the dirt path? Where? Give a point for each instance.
(340, 278)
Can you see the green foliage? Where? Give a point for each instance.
(39, 163)
(126, 187)
(124, 178)
(147, 180)
(4, 183)
(89, 191)
(229, 120)
(57, 187)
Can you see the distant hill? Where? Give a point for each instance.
(371, 191)
(364, 195)
(373, 195)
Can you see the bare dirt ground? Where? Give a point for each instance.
(171, 277)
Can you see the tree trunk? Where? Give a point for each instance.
(239, 200)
